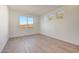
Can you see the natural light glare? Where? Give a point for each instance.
(30, 20)
(23, 20)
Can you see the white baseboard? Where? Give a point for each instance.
(45, 35)
(23, 35)
(4, 45)
(60, 39)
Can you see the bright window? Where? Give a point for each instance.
(30, 19)
(26, 22)
(23, 20)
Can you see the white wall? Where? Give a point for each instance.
(14, 25)
(3, 26)
(66, 29)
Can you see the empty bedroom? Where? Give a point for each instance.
(39, 28)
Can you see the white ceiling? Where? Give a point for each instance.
(34, 9)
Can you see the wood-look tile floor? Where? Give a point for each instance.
(38, 44)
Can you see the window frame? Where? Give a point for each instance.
(30, 26)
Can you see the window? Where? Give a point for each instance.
(30, 19)
(25, 22)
